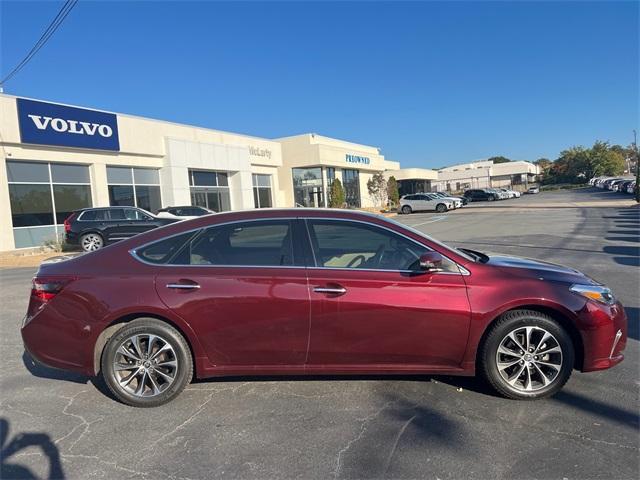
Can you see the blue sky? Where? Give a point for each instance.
(429, 83)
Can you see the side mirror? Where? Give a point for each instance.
(431, 262)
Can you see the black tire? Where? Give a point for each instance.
(441, 208)
(182, 373)
(491, 198)
(92, 241)
(406, 209)
(513, 320)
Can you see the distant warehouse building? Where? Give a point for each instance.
(58, 158)
(486, 174)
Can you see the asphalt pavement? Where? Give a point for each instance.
(56, 424)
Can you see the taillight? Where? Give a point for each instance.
(67, 222)
(45, 288)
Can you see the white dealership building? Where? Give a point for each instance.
(57, 158)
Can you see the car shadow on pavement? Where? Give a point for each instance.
(23, 441)
(400, 426)
(626, 229)
(42, 371)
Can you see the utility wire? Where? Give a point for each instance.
(49, 31)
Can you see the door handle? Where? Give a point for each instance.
(331, 290)
(183, 286)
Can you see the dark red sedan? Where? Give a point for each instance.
(315, 292)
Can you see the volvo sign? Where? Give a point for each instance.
(51, 124)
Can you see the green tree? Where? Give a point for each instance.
(499, 159)
(377, 187)
(604, 160)
(392, 191)
(336, 195)
(579, 164)
(544, 164)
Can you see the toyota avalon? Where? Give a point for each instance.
(302, 291)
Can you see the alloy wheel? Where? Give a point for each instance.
(91, 242)
(145, 365)
(529, 359)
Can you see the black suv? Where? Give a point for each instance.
(93, 228)
(480, 194)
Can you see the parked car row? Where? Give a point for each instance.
(93, 228)
(492, 194)
(615, 184)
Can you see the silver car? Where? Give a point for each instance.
(421, 202)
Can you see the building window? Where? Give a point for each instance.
(308, 187)
(262, 191)
(351, 183)
(42, 195)
(210, 189)
(134, 187)
(331, 176)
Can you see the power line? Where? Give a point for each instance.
(49, 31)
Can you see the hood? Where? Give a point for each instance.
(539, 269)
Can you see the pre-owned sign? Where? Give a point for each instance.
(51, 124)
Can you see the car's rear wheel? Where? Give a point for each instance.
(146, 363)
(91, 242)
(526, 355)
(441, 208)
(406, 209)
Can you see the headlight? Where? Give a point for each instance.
(599, 293)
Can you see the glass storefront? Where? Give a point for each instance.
(262, 197)
(42, 195)
(134, 187)
(408, 187)
(308, 188)
(351, 184)
(210, 189)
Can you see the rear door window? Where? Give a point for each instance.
(265, 243)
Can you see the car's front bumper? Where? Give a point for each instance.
(604, 335)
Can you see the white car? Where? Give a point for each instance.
(510, 193)
(186, 212)
(533, 190)
(420, 202)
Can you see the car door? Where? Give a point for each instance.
(372, 308)
(243, 291)
(422, 202)
(112, 226)
(135, 222)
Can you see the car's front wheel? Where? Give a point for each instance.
(526, 355)
(146, 363)
(91, 242)
(441, 208)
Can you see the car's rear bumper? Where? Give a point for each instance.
(604, 335)
(58, 342)
(71, 238)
